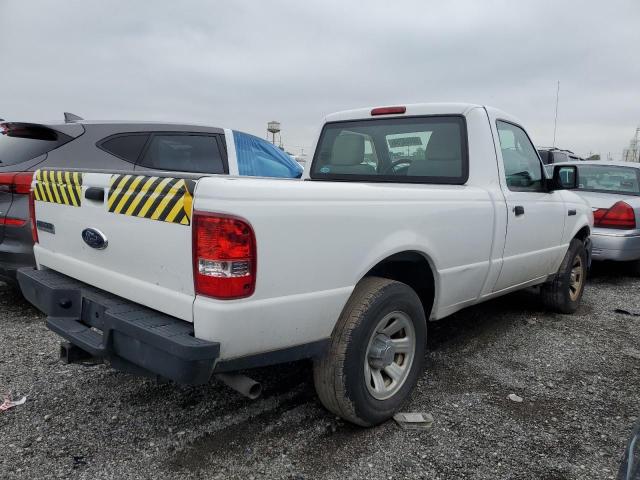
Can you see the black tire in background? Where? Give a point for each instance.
(635, 267)
(564, 292)
(339, 375)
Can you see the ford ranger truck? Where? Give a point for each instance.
(406, 215)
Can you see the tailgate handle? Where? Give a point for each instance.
(94, 193)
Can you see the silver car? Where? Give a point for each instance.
(613, 190)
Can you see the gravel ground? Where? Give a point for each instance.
(578, 377)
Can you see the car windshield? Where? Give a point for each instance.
(607, 178)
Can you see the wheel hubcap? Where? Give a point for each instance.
(576, 278)
(382, 352)
(389, 355)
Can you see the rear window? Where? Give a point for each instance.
(127, 147)
(404, 150)
(185, 153)
(605, 178)
(20, 142)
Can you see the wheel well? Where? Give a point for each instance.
(583, 233)
(413, 269)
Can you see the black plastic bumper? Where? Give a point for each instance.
(130, 336)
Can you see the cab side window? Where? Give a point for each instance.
(522, 167)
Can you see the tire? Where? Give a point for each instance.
(562, 294)
(634, 268)
(344, 375)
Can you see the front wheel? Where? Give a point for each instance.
(375, 355)
(564, 292)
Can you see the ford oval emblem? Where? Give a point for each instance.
(94, 238)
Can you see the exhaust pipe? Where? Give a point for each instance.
(241, 384)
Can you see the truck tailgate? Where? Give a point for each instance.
(124, 233)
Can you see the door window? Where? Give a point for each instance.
(184, 153)
(522, 167)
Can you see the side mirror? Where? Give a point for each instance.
(565, 177)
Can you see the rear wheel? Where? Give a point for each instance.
(376, 353)
(564, 292)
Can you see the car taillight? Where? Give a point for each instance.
(12, 222)
(224, 256)
(19, 183)
(388, 110)
(621, 215)
(32, 217)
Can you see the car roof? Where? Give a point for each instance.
(602, 163)
(411, 109)
(124, 126)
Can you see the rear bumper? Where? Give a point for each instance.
(15, 254)
(612, 245)
(130, 336)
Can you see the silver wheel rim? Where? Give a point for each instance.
(389, 356)
(576, 278)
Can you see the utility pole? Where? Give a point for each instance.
(555, 123)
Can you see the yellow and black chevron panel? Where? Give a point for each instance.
(64, 188)
(156, 198)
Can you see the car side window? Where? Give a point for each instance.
(522, 168)
(184, 153)
(127, 147)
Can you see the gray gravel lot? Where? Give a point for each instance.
(578, 377)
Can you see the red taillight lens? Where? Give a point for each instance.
(32, 215)
(388, 110)
(224, 256)
(12, 222)
(16, 182)
(621, 215)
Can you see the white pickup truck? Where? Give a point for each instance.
(406, 214)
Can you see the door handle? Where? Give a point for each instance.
(94, 193)
(518, 210)
(572, 212)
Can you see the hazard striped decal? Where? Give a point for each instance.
(155, 198)
(64, 188)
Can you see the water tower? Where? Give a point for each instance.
(273, 127)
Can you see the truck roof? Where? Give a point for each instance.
(449, 108)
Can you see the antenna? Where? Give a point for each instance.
(555, 123)
(632, 154)
(71, 117)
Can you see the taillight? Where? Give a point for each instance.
(32, 216)
(621, 215)
(388, 110)
(19, 183)
(12, 222)
(224, 256)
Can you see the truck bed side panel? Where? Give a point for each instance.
(316, 240)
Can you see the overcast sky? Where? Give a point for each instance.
(240, 64)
